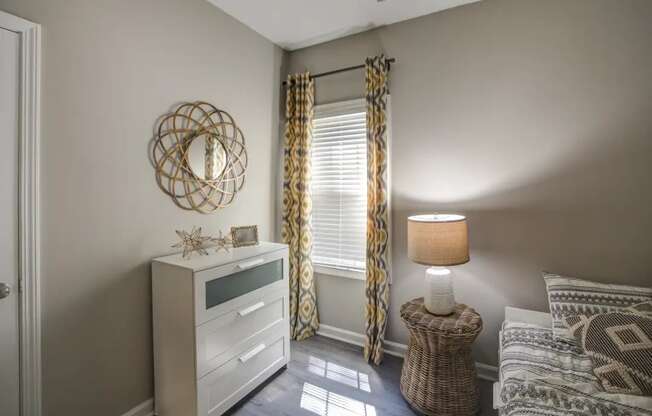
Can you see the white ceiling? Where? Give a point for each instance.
(294, 24)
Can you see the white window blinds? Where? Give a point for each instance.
(339, 185)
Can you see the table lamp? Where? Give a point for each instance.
(438, 240)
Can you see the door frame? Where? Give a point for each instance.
(28, 200)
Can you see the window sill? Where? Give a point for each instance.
(334, 271)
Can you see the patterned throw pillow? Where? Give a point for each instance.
(571, 296)
(620, 347)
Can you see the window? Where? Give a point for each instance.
(339, 188)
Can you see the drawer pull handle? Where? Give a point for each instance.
(250, 264)
(250, 309)
(251, 354)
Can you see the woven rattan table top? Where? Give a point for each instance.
(464, 321)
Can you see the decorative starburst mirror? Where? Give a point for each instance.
(200, 157)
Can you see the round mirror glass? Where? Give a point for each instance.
(206, 157)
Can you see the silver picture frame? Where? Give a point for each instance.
(244, 236)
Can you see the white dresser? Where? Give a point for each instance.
(221, 327)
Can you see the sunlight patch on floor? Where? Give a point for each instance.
(325, 403)
(339, 373)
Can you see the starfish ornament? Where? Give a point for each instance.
(191, 241)
(222, 242)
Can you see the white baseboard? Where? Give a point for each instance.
(392, 348)
(485, 371)
(146, 408)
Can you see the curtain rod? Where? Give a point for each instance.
(337, 71)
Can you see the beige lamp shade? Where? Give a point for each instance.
(438, 240)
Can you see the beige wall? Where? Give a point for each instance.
(110, 69)
(533, 118)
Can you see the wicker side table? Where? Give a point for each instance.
(439, 376)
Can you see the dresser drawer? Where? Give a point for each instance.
(227, 335)
(222, 289)
(222, 388)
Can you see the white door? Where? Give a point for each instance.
(9, 358)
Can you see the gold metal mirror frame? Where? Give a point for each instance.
(174, 174)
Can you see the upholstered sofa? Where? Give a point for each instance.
(542, 375)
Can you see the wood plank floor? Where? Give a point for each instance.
(330, 378)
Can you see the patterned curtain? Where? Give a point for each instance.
(377, 281)
(297, 204)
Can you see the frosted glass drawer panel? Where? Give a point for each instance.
(237, 284)
(223, 337)
(220, 290)
(223, 387)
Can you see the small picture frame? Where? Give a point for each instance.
(244, 236)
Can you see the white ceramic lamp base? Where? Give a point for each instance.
(439, 298)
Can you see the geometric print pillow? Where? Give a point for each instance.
(569, 296)
(620, 347)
